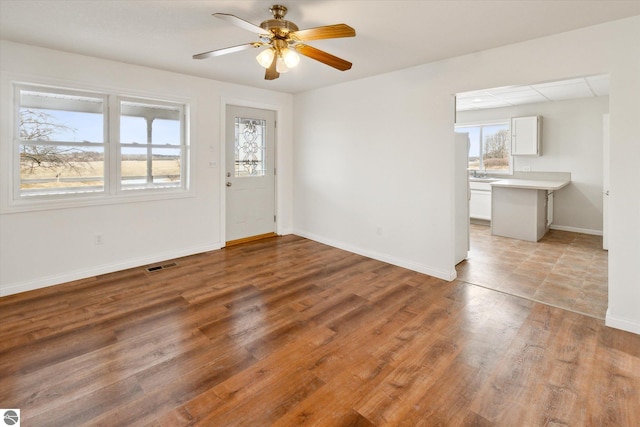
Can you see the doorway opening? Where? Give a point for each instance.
(568, 267)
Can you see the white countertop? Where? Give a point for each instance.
(531, 184)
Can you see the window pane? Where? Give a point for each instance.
(151, 168)
(144, 123)
(63, 118)
(55, 169)
(166, 132)
(133, 130)
(143, 127)
(495, 147)
(250, 144)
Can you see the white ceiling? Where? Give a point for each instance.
(507, 96)
(391, 34)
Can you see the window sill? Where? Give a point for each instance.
(26, 205)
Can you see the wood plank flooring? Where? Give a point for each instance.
(286, 331)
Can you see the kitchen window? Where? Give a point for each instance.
(69, 146)
(489, 147)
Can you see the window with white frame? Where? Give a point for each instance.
(70, 146)
(62, 142)
(151, 145)
(489, 146)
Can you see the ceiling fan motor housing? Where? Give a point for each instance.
(279, 26)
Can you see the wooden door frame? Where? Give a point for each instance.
(222, 156)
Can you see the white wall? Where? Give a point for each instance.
(571, 142)
(372, 169)
(52, 246)
(378, 152)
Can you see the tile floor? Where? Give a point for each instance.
(564, 269)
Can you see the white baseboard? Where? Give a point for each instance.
(576, 229)
(620, 323)
(440, 274)
(102, 269)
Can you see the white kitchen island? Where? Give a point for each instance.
(519, 207)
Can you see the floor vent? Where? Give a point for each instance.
(160, 267)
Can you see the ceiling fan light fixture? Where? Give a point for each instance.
(281, 66)
(265, 58)
(290, 57)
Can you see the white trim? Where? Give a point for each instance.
(576, 229)
(420, 268)
(623, 324)
(44, 282)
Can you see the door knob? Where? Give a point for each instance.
(229, 184)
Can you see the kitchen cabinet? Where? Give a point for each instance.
(526, 136)
(480, 201)
(520, 207)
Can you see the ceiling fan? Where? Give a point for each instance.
(284, 39)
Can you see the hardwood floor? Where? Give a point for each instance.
(564, 269)
(286, 331)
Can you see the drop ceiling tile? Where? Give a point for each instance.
(518, 95)
(599, 85)
(532, 98)
(566, 91)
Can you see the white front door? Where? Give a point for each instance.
(250, 172)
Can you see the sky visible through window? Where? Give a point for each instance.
(88, 127)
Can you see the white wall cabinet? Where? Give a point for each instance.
(526, 136)
(480, 201)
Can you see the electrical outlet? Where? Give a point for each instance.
(526, 168)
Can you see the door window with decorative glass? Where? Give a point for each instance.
(250, 146)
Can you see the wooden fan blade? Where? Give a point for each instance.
(324, 57)
(232, 19)
(272, 73)
(326, 32)
(226, 50)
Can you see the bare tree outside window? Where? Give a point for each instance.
(496, 150)
(39, 126)
(51, 165)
